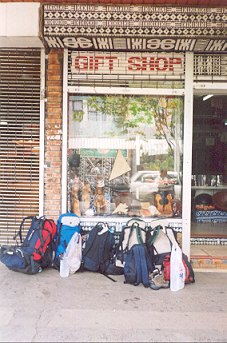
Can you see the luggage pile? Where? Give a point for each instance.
(148, 255)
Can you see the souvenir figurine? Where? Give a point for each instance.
(75, 195)
(176, 207)
(100, 200)
(168, 206)
(86, 197)
(76, 207)
(158, 202)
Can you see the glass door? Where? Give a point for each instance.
(209, 170)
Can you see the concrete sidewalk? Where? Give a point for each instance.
(88, 307)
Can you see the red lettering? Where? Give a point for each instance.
(159, 66)
(81, 62)
(111, 61)
(133, 65)
(91, 63)
(147, 63)
(173, 61)
(97, 61)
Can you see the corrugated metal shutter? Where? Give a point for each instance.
(19, 138)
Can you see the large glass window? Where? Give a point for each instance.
(125, 155)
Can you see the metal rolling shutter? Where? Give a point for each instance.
(19, 138)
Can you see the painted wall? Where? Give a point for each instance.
(19, 25)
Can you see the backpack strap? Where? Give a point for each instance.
(20, 229)
(103, 239)
(150, 263)
(57, 238)
(139, 236)
(144, 266)
(138, 233)
(153, 234)
(138, 263)
(191, 276)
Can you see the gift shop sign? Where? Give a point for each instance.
(127, 63)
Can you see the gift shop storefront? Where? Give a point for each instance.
(122, 127)
(130, 74)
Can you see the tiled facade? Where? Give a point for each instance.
(210, 3)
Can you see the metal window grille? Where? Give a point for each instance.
(207, 67)
(19, 138)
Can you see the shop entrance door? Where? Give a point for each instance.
(209, 173)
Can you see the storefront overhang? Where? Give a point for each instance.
(207, 3)
(134, 28)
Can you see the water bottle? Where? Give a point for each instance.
(64, 266)
(177, 270)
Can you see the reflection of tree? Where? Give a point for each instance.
(164, 117)
(78, 115)
(130, 112)
(157, 162)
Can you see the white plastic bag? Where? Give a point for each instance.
(177, 270)
(74, 252)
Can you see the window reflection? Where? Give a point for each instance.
(125, 155)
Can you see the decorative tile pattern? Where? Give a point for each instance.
(134, 28)
(209, 241)
(211, 216)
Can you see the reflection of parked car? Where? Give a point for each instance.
(144, 185)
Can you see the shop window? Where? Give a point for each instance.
(125, 155)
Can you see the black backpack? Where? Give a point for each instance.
(99, 251)
(138, 266)
(35, 251)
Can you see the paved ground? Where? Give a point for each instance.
(88, 307)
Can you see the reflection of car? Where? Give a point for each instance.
(144, 184)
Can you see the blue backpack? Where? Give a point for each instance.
(67, 225)
(138, 265)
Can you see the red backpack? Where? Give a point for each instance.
(189, 273)
(35, 251)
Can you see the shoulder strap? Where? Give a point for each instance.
(139, 271)
(144, 267)
(153, 234)
(20, 229)
(139, 236)
(150, 263)
(138, 233)
(103, 240)
(191, 276)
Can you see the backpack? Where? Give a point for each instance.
(189, 273)
(138, 266)
(133, 233)
(159, 242)
(99, 250)
(35, 252)
(67, 225)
